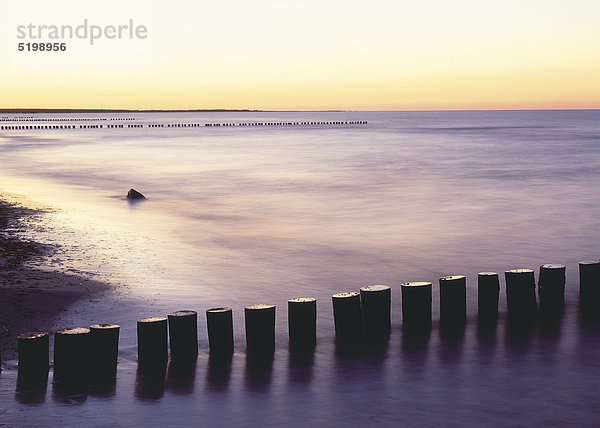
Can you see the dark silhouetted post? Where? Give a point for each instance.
(152, 340)
(347, 315)
(260, 328)
(488, 292)
(520, 293)
(302, 322)
(589, 284)
(183, 334)
(219, 322)
(416, 304)
(105, 346)
(72, 352)
(453, 299)
(375, 301)
(551, 287)
(34, 352)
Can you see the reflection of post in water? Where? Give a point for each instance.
(452, 338)
(181, 375)
(415, 348)
(68, 390)
(219, 370)
(486, 337)
(259, 367)
(31, 388)
(415, 340)
(300, 365)
(519, 334)
(103, 384)
(150, 380)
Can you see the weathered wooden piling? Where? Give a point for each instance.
(105, 347)
(416, 304)
(34, 351)
(152, 340)
(520, 293)
(347, 315)
(72, 353)
(453, 299)
(551, 286)
(302, 322)
(488, 292)
(375, 302)
(219, 323)
(589, 284)
(183, 334)
(260, 328)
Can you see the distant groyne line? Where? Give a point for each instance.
(63, 119)
(168, 125)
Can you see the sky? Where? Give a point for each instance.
(308, 55)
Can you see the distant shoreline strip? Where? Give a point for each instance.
(176, 125)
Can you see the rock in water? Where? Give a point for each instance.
(134, 194)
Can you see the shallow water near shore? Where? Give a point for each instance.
(242, 215)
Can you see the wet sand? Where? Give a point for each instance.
(30, 297)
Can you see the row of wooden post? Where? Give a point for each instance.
(62, 119)
(365, 311)
(179, 125)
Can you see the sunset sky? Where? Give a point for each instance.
(308, 55)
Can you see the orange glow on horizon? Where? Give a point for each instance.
(267, 57)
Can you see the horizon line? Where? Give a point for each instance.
(225, 110)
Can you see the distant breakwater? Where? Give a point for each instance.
(117, 125)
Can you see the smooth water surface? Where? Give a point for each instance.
(240, 215)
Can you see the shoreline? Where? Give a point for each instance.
(31, 298)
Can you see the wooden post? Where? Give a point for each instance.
(34, 352)
(219, 322)
(488, 292)
(375, 301)
(302, 322)
(416, 304)
(589, 284)
(72, 353)
(260, 328)
(105, 347)
(183, 334)
(551, 287)
(347, 315)
(152, 340)
(520, 293)
(453, 299)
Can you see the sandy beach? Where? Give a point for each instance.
(31, 297)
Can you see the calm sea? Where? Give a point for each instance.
(237, 215)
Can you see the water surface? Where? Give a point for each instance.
(242, 215)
